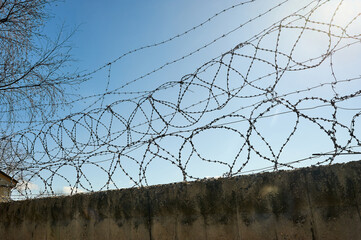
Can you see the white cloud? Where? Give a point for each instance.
(72, 190)
(25, 185)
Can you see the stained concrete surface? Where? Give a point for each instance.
(309, 203)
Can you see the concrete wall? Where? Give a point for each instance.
(5, 188)
(4, 193)
(310, 203)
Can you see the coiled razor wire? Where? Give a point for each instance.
(231, 95)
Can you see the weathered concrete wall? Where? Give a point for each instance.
(310, 203)
(4, 193)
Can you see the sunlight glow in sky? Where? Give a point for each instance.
(107, 29)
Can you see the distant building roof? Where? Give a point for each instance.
(4, 176)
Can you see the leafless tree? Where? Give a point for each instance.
(32, 67)
(34, 73)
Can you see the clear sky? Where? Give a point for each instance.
(105, 30)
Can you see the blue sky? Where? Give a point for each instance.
(107, 29)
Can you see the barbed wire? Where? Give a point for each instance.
(229, 98)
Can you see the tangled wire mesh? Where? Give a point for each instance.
(264, 99)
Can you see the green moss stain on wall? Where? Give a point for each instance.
(310, 203)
